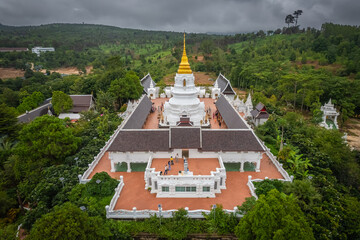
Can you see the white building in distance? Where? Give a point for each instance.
(39, 50)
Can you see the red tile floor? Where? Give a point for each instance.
(134, 193)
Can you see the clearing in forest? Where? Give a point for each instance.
(352, 127)
(201, 78)
(11, 73)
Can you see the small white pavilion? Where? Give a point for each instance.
(329, 116)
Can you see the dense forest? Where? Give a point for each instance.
(293, 71)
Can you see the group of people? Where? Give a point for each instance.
(217, 117)
(170, 163)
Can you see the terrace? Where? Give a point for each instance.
(152, 119)
(134, 194)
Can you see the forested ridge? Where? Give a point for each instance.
(292, 71)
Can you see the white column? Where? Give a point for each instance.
(112, 166)
(242, 166)
(128, 166)
(258, 166)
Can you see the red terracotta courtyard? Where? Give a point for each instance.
(134, 193)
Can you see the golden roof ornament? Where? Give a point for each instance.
(184, 67)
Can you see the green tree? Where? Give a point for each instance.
(104, 100)
(61, 102)
(126, 88)
(47, 138)
(8, 120)
(31, 102)
(275, 216)
(69, 222)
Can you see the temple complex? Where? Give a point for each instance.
(184, 148)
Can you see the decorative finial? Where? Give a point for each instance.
(184, 67)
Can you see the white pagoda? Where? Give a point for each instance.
(184, 108)
(329, 116)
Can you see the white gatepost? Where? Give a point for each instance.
(128, 166)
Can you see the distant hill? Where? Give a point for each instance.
(81, 36)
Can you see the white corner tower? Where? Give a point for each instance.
(184, 108)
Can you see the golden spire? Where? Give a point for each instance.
(184, 67)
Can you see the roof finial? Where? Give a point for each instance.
(184, 67)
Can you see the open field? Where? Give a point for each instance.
(11, 73)
(69, 70)
(201, 78)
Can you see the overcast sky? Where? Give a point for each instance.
(179, 15)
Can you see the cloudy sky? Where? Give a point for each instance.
(179, 15)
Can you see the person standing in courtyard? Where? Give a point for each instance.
(177, 158)
(166, 169)
(171, 160)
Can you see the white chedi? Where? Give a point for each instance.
(184, 102)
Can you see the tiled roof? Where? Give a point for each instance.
(185, 137)
(259, 106)
(81, 103)
(230, 140)
(144, 140)
(256, 113)
(145, 82)
(229, 114)
(224, 85)
(139, 115)
(31, 115)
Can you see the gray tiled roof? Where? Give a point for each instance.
(229, 114)
(256, 113)
(139, 115)
(185, 137)
(81, 103)
(230, 140)
(145, 82)
(146, 140)
(224, 85)
(31, 115)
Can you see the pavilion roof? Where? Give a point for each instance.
(224, 85)
(145, 82)
(138, 117)
(81, 103)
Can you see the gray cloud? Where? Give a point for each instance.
(179, 15)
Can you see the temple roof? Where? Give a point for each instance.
(141, 140)
(260, 111)
(81, 103)
(185, 137)
(145, 82)
(224, 85)
(138, 117)
(229, 114)
(230, 140)
(37, 112)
